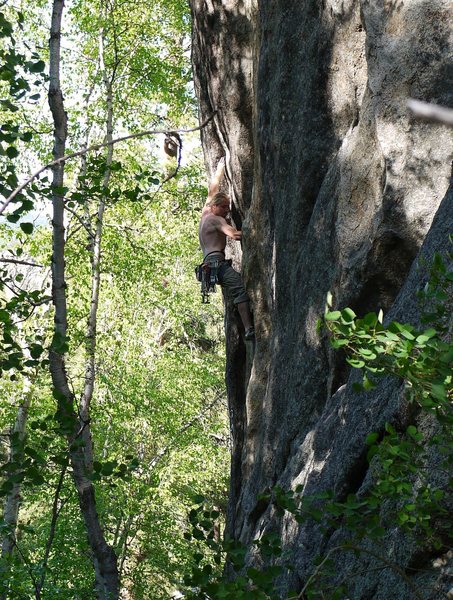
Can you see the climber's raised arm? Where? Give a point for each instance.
(214, 184)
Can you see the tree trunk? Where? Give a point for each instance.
(104, 558)
(12, 501)
(96, 244)
(336, 188)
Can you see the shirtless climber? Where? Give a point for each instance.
(212, 233)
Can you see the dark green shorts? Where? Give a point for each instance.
(229, 279)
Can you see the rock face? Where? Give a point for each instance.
(336, 188)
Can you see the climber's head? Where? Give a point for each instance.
(220, 204)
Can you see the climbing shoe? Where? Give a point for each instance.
(250, 334)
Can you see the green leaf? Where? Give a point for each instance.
(35, 476)
(332, 316)
(36, 350)
(348, 315)
(368, 384)
(60, 190)
(108, 467)
(329, 299)
(36, 67)
(368, 354)
(426, 335)
(407, 334)
(335, 343)
(390, 336)
(371, 438)
(439, 391)
(356, 363)
(370, 319)
(27, 136)
(12, 152)
(27, 228)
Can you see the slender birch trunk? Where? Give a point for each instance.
(90, 368)
(104, 558)
(57, 505)
(12, 501)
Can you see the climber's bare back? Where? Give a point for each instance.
(212, 238)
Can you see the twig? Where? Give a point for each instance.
(53, 526)
(354, 548)
(73, 232)
(431, 112)
(80, 220)
(16, 293)
(123, 227)
(20, 262)
(63, 159)
(12, 290)
(183, 429)
(29, 569)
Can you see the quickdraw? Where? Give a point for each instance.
(207, 275)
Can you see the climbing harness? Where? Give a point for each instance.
(207, 275)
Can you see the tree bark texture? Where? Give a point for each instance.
(13, 499)
(12, 502)
(95, 242)
(104, 559)
(336, 187)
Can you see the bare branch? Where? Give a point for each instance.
(56, 509)
(123, 227)
(63, 159)
(80, 220)
(20, 262)
(183, 429)
(354, 548)
(29, 569)
(431, 112)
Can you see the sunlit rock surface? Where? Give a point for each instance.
(336, 188)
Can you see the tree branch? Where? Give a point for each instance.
(431, 112)
(53, 526)
(63, 159)
(29, 569)
(183, 429)
(20, 262)
(81, 221)
(355, 548)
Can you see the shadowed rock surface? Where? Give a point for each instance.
(336, 188)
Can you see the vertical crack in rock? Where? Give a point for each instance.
(336, 188)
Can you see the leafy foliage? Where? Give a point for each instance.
(400, 491)
(158, 418)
